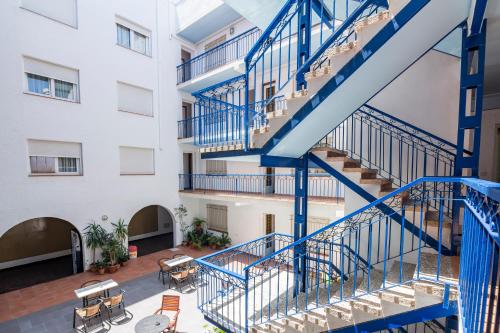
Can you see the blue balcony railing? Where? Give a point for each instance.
(321, 186)
(365, 254)
(185, 128)
(231, 50)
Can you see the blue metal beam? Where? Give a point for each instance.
(300, 223)
(304, 38)
(395, 216)
(280, 162)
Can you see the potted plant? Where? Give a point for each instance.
(224, 240)
(94, 239)
(120, 230)
(100, 267)
(123, 256)
(181, 212)
(111, 250)
(213, 242)
(198, 226)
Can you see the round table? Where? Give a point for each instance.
(152, 324)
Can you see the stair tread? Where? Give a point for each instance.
(449, 267)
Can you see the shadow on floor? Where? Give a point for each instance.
(153, 244)
(30, 274)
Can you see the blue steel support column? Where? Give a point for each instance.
(304, 39)
(246, 124)
(300, 222)
(470, 113)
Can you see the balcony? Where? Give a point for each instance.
(322, 187)
(218, 64)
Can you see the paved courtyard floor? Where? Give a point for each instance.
(48, 307)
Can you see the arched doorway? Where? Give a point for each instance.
(39, 250)
(151, 229)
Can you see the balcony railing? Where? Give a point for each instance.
(321, 186)
(231, 50)
(185, 128)
(363, 254)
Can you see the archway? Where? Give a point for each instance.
(39, 250)
(151, 229)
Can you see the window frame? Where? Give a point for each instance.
(52, 88)
(132, 35)
(56, 167)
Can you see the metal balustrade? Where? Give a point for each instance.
(185, 128)
(322, 186)
(363, 255)
(225, 53)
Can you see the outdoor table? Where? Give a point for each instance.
(178, 261)
(95, 288)
(152, 324)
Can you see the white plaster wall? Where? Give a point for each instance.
(95, 122)
(426, 95)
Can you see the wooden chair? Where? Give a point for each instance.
(113, 302)
(170, 306)
(179, 278)
(92, 297)
(193, 271)
(86, 314)
(164, 269)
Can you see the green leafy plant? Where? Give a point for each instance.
(120, 230)
(111, 248)
(198, 225)
(212, 329)
(99, 264)
(94, 237)
(224, 240)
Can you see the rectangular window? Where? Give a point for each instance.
(135, 99)
(38, 84)
(67, 164)
(137, 161)
(132, 36)
(140, 42)
(64, 90)
(215, 167)
(48, 79)
(123, 35)
(54, 157)
(217, 217)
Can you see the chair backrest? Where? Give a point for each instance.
(92, 310)
(161, 262)
(89, 283)
(117, 299)
(178, 255)
(170, 303)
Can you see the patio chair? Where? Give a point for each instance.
(193, 271)
(86, 314)
(179, 278)
(92, 297)
(113, 302)
(164, 269)
(170, 306)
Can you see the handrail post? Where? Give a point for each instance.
(246, 300)
(246, 124)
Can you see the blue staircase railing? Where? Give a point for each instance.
(314, 272)
(276, 57)
(225, 53)
(321, 186)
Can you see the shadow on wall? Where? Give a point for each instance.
(38, 250)
(151, 230)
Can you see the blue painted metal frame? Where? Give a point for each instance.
(300, 222)
(395, 216)
(304, 38)
(403, 17)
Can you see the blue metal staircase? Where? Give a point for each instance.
(393, 262)
(382, 278)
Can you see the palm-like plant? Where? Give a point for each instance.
(120, 230)
(94, 237)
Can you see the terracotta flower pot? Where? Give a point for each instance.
(101, 271)
(92, 268)
(113, 268)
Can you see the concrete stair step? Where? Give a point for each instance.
(276, 114)
(375, 181)
(341, 310)
(368, 303)
(297, 322)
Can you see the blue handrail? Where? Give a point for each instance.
(231, 50)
